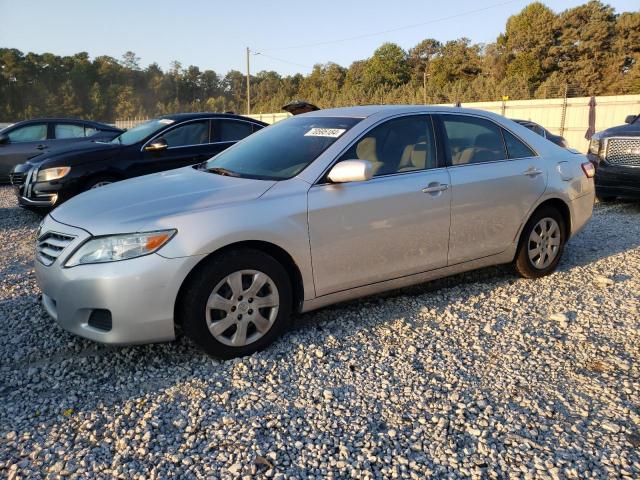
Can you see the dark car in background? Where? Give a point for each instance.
(615, 152)
(165, 143)
(24, 140)
(543, 132)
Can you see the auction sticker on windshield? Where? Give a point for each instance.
(325, 132)
(166, 121)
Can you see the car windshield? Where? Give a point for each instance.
(142, 131)
(282, 150)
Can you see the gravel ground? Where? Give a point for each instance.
(478, 375)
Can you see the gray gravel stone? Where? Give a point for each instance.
(481, 375)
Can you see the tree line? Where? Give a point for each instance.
(586, 50)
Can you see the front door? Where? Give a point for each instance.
(187, 144)
(495, 181)
(393, 225)
(24, 143)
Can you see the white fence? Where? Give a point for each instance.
(568, 117)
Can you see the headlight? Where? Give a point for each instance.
(594, 146)
(119, 247)
(52, 173)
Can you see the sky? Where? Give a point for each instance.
(289, 36)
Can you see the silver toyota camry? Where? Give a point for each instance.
(317, 209)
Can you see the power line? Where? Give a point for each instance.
(406, 27)
(281, 60)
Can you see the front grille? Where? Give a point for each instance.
(50, 246)
(623, 151)
(17, 178)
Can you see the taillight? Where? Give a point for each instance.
(588, 169)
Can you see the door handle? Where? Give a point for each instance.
(41, 147)
(435, 188)
(532, 172)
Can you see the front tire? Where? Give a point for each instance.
(236, 303)
(542, 243)
(98, 182)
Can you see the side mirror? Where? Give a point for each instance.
(4, 138)
(157, 145)
(630, 118)
(351, 171)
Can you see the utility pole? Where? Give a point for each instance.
(248, 85)
(424, 85)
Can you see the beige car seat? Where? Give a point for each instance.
(367, 150)
(416, 157)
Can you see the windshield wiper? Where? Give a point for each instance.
(222, 171)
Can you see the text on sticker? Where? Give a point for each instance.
(325, 132)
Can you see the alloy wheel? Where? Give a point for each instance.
(242, 308)
(544, 243)
(100, 184)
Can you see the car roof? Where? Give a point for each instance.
(530, 122)
(194, 115)
(365, 111)
(65, 119)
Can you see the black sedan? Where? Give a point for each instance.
(24, 140)
(164, 143)
(543, 132)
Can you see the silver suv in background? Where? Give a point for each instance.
(317, 209)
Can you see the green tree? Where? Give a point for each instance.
(388, 67)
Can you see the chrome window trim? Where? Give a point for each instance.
(371, 127)
(171, 127)
(536, 154)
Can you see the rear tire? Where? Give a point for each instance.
(541, 243)
(236, 303)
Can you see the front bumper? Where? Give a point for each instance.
(37, 194)
(138, 295)
(617, 181)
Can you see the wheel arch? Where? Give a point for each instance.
(92, 177)
(562, 207)
(556, 203)
(271, 249)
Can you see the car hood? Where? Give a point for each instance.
(146, 203)
(76, 154)
(626, 130)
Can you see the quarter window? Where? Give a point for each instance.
(192, 133)
(401, 145)
(473, 140)
(29, 133)
(515, 147)
(231, 130)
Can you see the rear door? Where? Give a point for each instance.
(65, 133)
(225, 132)
(25, 142)
(495, 178)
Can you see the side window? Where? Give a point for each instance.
(515, 148)
(68, 130)
(89, 131)
(192, 133)
(29, 133)
(401, 145)
(473, 140)
(231, 130)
